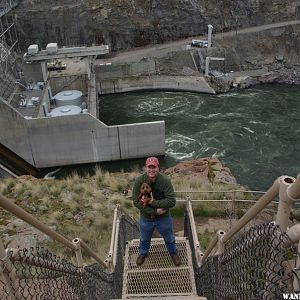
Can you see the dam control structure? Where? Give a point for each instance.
(43, 139)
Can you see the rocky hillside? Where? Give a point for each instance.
(127, 23)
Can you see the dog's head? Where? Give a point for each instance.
(145, 188)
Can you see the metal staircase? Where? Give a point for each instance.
(158, 277)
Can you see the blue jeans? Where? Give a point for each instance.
(165, 228)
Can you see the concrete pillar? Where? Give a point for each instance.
(210, 29)
(207, 59)
(44, 70)
(88, 66)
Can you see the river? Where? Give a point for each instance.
(255, 132)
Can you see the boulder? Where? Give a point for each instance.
(207, 168)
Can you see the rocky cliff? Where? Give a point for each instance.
(128, 23)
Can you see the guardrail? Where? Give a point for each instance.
(288, 189)
(75, 246)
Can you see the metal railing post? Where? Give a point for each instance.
(285, 202)
(220, 244)
(8, 274)
(110, 266)
(78, 253)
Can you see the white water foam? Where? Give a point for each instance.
(248, 129)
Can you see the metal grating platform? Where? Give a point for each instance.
(158, 276)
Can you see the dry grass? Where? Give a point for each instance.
(83, 206)
(75, 206)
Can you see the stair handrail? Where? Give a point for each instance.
(20, 213)
(197, 247)
(288, 189)
(112, 254)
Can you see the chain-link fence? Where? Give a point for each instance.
(38, 274)
(253, 266)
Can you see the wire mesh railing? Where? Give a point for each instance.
(36, 273)
(251, 262)
(253, 266)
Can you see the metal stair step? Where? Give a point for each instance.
(158, 276)
(171, 298)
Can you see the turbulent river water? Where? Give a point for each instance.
(254, 132)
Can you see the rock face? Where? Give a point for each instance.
(208, 169)
(275, 49)
(128, 23)
(283, 75)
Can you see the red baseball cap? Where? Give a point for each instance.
(152, 161)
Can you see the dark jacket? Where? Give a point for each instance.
(163, 194)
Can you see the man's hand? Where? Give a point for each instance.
(160, 211)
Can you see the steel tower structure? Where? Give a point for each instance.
(9, 71)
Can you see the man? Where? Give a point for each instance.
(156, 213)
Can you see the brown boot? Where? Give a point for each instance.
(140, 260)
(176, 260)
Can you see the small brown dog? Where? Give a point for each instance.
(145, 193)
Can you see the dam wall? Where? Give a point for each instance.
(77, 139)
(112, 71)
(172, 83)
(144, 75)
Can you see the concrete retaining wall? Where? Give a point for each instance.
(73, 82)
(14, 132)
(58, 141)
(176, 83)
(110, 71)
(120, 78)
